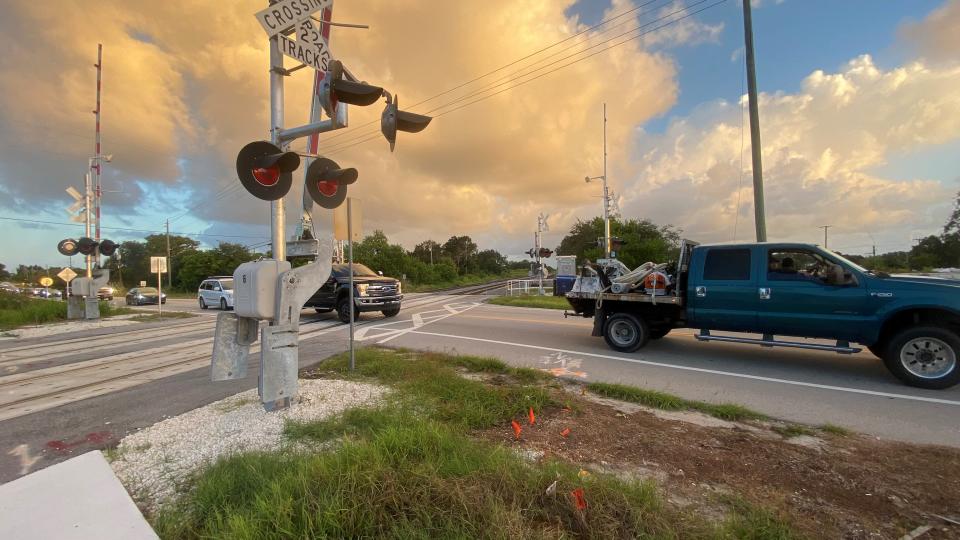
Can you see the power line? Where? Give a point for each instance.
(344, 146)
(519, 73)
(128, 230)
(514, 62)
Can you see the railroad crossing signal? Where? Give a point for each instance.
(265, 170)
(393, 119)
(544, 253)
(327, 183)
(86, 246)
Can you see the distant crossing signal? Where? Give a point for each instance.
(68, 247)
(544, 253)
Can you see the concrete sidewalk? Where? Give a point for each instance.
(77, 499)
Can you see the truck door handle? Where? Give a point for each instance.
(701, 291)
(765, 293)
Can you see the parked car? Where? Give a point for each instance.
(145, 295)
(372, 292)
(50, 293)
(105, 293)
(216, 291)
(911, 322)
(8, 287)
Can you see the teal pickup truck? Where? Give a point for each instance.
(787, 289)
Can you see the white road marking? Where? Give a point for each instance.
(389, 330)
(702, 370)
(26, 460)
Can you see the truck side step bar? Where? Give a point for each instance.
(842, 347)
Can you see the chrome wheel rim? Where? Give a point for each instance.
(928, 357)
(623, 333)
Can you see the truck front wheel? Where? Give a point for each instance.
(924, 356)
(625, 333)
(343, 310)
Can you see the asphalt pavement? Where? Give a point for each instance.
(63, 395)
(811, 387)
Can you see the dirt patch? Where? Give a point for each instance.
(827, 486)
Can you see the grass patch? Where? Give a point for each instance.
(669, 402)
(410, 469)
(166, 315)
(18, 310)
(748, 521)
(793, 430)
(832, 429)
(546, 302)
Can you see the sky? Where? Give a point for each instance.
(859, 118)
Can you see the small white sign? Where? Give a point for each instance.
(340, 229)
(305, 53)
(67, 274)
(287, 13)
(143, 283)
(158, 264)
(74, 193)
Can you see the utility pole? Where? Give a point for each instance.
(825, 229)
(606, 194)
(97, 156)
(169, 263)
(88, 201)
(758, 205)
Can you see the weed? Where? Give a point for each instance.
(410, 469)
(547, 302)
(747, 521)
(839, 431)
(792, 430)
(669, 402)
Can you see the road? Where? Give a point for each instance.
(66, 394)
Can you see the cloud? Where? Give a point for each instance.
(185, 86)
(820, 146)
(937, 37)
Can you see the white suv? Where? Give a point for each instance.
(216, 291)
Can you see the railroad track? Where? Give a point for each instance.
(480, 289)
(51, 387)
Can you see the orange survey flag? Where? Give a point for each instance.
(578, 499)
(516, 429)
(533, 419)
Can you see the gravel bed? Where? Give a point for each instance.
(153, 464)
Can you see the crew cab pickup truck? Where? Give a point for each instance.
(372, 292)
(786, 289)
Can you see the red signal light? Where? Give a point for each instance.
(267, 176)
(328, 187)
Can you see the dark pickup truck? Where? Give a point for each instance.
(372, 292)
(911, 322)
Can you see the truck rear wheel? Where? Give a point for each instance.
(625, 333)
(924, 356)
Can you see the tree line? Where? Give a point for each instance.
(432, 262)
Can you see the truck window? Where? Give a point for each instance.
(727, 265)
(796, 265)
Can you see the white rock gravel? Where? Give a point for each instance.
(154, 463)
